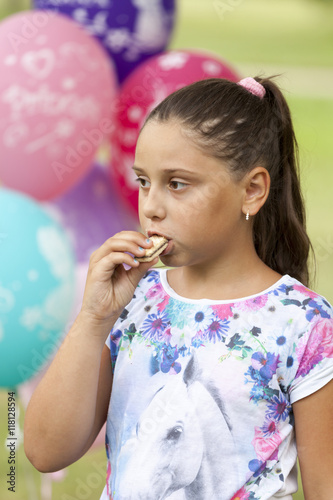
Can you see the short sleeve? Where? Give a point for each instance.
(314, 351)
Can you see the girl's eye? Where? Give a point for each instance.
(176, 185)
(143, 182)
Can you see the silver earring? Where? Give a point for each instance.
(247, 215)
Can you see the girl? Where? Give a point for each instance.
(221, 362)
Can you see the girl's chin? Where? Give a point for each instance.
(174, 260)
(171, 260)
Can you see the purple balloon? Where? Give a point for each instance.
(92, 212)
(130, 30)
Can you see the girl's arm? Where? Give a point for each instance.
(69, 406)
(314, 437)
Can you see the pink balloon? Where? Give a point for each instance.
(146, 87)
(56, 89)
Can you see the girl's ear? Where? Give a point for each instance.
(256, 184)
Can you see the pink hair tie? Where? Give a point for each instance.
(253, 86)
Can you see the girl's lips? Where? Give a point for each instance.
(167, 249)
(151, 233)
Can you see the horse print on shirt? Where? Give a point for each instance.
(180, 439)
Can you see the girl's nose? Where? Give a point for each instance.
(152, 205)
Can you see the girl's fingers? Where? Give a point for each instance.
(106, 267)
(107, 264)
(126, 241)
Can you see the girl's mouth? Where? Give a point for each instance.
(167, 249)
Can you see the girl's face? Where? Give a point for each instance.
(188, 197)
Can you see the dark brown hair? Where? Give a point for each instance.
(244, 131)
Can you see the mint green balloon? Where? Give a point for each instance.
(36, 286)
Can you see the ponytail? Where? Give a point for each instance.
(279, 230)
(245, 130)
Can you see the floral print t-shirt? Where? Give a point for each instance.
(201, 403)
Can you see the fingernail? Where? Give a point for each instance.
(141, 249)
(148, 240)
(135, 261)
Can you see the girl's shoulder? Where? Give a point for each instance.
(301, 306)
(295, 293)
(309, 365)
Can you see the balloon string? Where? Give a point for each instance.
(46, 487)
(30, 482)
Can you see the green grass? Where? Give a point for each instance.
(313, 124)
(285, 34)
(295, 32)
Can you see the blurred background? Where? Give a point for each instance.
(290, 38)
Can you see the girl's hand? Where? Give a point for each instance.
(109, 287)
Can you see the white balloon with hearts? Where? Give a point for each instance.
(56, 90)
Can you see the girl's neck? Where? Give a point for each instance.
(234, 280)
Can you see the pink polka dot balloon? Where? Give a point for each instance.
(146, 87)
(56, 88)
